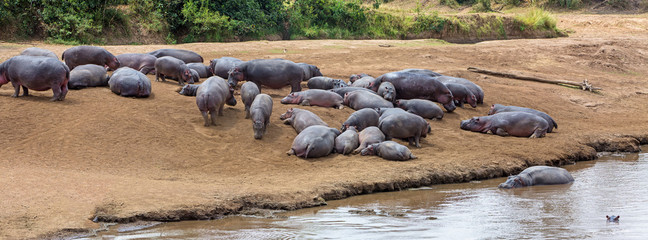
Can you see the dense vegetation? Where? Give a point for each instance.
(87, 21)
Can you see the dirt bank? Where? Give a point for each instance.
(121, 159)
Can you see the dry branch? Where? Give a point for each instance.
(585, 85)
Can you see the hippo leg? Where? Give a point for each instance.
(64, 91)
(16, 89)
(288, 121)
(220, 109)
(501, 132)
(538, 133)
(291, 152)
(295, 87)
(247, 112)
(213, 117)
(25, 91)
(157, 77)
(305, 102)
(57, 93)
(204, 114)
(459, 103)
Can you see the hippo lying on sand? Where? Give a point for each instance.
(300, 119)
(389, 150)
(314, 141)
(538, 175)
(348, 141)
(362, 119)
(314, 97)
(88, 75)
(499, 108)
(517, 124)
(128, 82)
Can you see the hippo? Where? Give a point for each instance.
(184, 55)
(188, 90)
(386, 112)
(202, 70)
(517, 124)
(613, 219)
(300, 119)
(389, 150)
(273, 73)
(411, 86)
(461, 94)
(405, 126)
(310, 71)
(538, 175)
(474, 88)
(355, 77)
(369, 135)
(498, 108)
(38, 52)
(421, 71)
(221, 66)
(315, 141)
(128, 82)
(260, 112)
(343, 91)
(88, 75)
(36, 73)
(366, 82)
(145, 63)
(314, 97)
(421, 107)
(362, 99)
(361, 119)
(211, 96)
(348, 141)
(195, 76)
(325, 83)
(387, 91)
(173, 68)
(81, 55)
(249, 91)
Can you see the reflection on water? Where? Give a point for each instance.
(615, 184)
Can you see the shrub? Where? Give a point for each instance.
(537, 19)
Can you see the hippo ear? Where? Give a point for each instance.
(492, 106)
(477, 119)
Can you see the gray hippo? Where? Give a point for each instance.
(211, 96)
(88, 75)
(315, 141)
(144, 63)
(614, 219)
(300, 119)
(202, 69)
(38, 52)
(386, 112)
(387, 91)
(188, 90)
(369, 135)
(411, 86)
(325, 83)
(314, 97)
(405, 126)
(173, 68)
(348, 141)
(389, 150)
(355, 77)
(249, 91)
(421, 107)
(361, 119)
(81, 55)
(344, 90)
(421, 71)
(474, 88)
(461, 94)
(36, 73)
(366, 82)
(184, 55)
(195, 76)
(538, 175)
(221, 66)
(499, 108)
(260, 112)
(517, 124)
(273, 73)
(128, 82)
(363, 99)
(310, 71)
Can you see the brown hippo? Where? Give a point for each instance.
(412, 86)
(273, 73)
(517, 124)
(314, 97)
(36, 73)
(498, 108)
(300, 119)
(315, 141)
(81, 55)
(389, 150)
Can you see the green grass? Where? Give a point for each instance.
(537, 19)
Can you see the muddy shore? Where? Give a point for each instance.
(98, 156)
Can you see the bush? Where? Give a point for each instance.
(205, 24)
(537, 19)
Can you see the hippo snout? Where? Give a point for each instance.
(464, 124)
(504, 185)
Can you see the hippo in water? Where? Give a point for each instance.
(273, 73)
(614, 219)
(81, 55)
(314, 97)
(517, 124)
(211, 96)
(325, 83)
(144, 63)
(128, 82)
(538, 175)
(260, 112)
(184, 55)
(34, 51)
(389, 150)
(348, 141)
(314, 141)
(221, 66)
(361, 119)
(421, 107)
(300, 119)
(310, 71)
(37, 73)
(412, 86)
(88, 75)
(498, 108)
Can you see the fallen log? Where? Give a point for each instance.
(585, 85)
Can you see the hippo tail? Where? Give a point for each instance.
(308, 149)
(63, 55)
(555, 124)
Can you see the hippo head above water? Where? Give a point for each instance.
(612, 218)
(235, 75)
(512, 182)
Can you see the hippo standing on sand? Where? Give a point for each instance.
(389, 150)
(368, 136)
(538, 175)
(361, 119)
(474, 88)
(221, 66)
(405, 126)
(310, 71)
(144, 63)
(517, 124)
(273, 73)
(411, 86)
(314, 141)
(88, 75)
(300, 119)
(314, 97)
(188, 90)
(36, 73)
(202, 70)
(260, 112)
(421, 107)
(325, 83)
(81, 55)
(348, 141)
(38, 52)
(211, 96)
(387, 91)
(249, 91)
(184, 55)
(128, 82)
(363, 99)
(344, 90)
(173, 68)
(499, 108)
(461, 94)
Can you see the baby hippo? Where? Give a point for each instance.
(363, 99)
(389, 150)
(421, 107)
(461, 94)
(347, 141)
(517, 124)
(314, 141)
(173, 68)
(249, 91)
(361, 119)
(300, 119)
(188, 90)
(128, 82)
(212, 96)
(366, 82)
(325, 83)
(260, 112)
(88, 75)
(387, 91)
(498, 108)
(538, 175)
(368, 136)
(405, 126)
(314, 97)
(355, 77)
